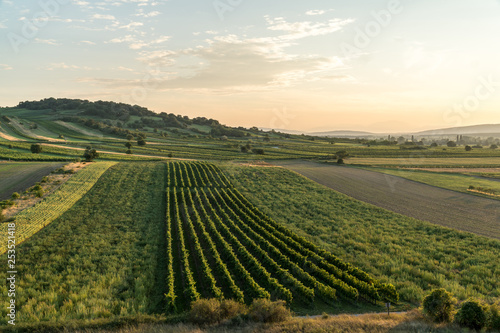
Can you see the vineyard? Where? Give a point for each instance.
(221, 246)
(31, 220)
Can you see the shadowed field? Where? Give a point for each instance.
(18, 176)
(428, 203)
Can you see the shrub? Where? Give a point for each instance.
(2, 217)
(494, 322)
(230, 309)
(493, 147)
(128, 151)
(15, 195)
(37, 187)
(439, 305)
(468, 148)
(36, 148)
(39, 193)
(472, 314)
(205, 311)
(266, 311)
(213, 311)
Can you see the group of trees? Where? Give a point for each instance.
(441, 307)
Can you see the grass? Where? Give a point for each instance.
(455, 182)
(413, 255)
(31, 220)
(17, 176)
(103, 258)
(371, 323)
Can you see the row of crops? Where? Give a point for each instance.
(221, 246)
(31, 220)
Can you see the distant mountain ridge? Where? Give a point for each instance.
(464, 130)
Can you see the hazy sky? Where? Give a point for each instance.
(312, 65)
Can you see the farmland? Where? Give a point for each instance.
(234, 251)
(382, 243)
(439, 206)
(31, 220)
(16, 177)
(193, 214)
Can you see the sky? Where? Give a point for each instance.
(317, 65)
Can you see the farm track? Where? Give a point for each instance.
(424, 202)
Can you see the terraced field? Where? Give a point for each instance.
(439, 206)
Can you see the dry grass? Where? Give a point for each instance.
(370, 323)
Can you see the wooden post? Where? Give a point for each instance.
(388, 307)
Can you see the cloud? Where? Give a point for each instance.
(315, 12)
(132, 26)
(47, 41)
(103, 17)
(136, 44)
(298, 30)
(2, 25)
(150, 14)
(62, 65)
(5, 67)
(232, 64)
(86, 42)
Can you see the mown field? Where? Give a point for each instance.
(16, 177)
(150, 238)
(413, 255)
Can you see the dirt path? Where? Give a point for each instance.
(8, 137)
(424, 202)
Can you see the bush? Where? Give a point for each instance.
(128, 151)
(213, 311)
(39, 193)
(15, 195)
(230, 309)
(205, 311)
(36, 148)
(2, 217)
(468, 148)
(266, 311)
(494, 322)
(439, 305)
(472, 314)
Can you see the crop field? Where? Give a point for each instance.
(210, 220)
(31, 220)
(428, 203)
(16, 177)
(153, 237)
(101, 257)
(425, 162)
(413, 255)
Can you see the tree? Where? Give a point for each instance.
(451, 144)
(128, 145)
(36, 148)
(468, 148)
(130, 137)
(493, 147)
(434, 145)
(341, 155)
(472, 314)
(90, 154)
(244, 149)
(129, 151)
(439, 305)
(141, 142)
